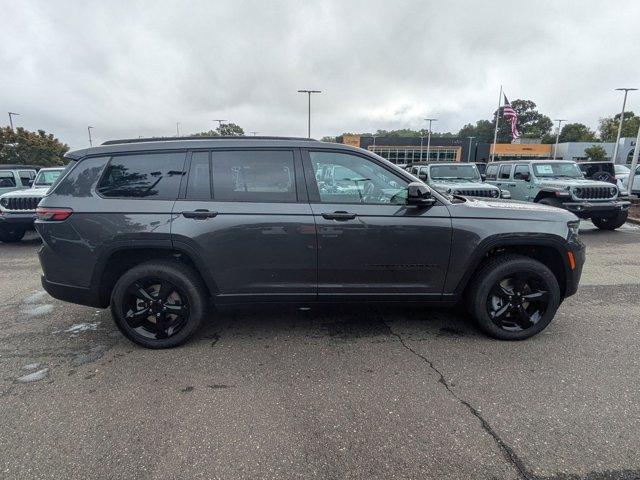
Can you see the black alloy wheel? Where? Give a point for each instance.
(518, 302)
(155, 308)
(159, 304)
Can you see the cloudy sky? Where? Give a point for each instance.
(132, 68)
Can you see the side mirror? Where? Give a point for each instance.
(418, 194)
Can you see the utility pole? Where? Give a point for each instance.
(555, 149)
(469, 152)
(421, 143)
(11, 119)
(177, 129)
(495, 132)
(90, 141)
(624, 103)
(430, 120)
(309, 92)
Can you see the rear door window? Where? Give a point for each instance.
(148, 175)
(519, 170)
(199, 182)
(7, 179)
(253, 176)
(505, 172)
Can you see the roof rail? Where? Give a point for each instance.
(172, 139)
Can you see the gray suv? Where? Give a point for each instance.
(161, 229)
(561, 184)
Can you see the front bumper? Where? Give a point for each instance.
(586, 208)
(25, 219)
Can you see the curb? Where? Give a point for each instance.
(633, 220)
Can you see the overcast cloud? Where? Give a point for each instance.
(136, 68)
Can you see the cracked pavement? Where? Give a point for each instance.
(337, 393)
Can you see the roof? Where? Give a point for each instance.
(192, 143)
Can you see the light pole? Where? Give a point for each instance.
(11, 119)
(624, 103)
(555, 149)
(429, 135)
(90, 141)
(177, 129)
(219, 120)
(309, 92)
(254, 133)
(469, 152)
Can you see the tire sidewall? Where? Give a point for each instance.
(10, 234)
(184, 279)
(613, 222)
(502, 271)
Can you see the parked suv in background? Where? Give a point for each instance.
(18, 208)
(159, 229)
(561, 184)
(12, 178)
(456, 179)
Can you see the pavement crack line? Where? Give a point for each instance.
(507, 451)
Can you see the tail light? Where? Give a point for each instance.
(53, 214)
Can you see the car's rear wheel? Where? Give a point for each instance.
(514, 297)
(158, 304)
(611, 223)
(11, 233)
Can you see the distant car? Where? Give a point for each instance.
(561, 184)
(18, 207)
(621, 171)
(454, 178)
(16, 177)
(603, 172)
(636, 182)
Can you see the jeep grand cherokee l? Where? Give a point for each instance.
(158, 230)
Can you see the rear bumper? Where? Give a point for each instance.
(69, 293)
(586, 209)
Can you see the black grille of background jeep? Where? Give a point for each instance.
(478, 192)
(21, 203)
(593, 193)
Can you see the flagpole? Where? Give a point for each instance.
(495, 133)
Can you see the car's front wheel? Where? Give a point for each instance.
(513, 297)
(611, 223)
(159, 304)
(11, 234)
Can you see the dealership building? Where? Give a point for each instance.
(402, 150)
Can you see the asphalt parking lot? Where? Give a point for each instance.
(357, 393)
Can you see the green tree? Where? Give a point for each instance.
(577, 132)
(531, 123)
(608, 126)
(224, 130)
(596, 153)
(23, 147)
(482, 131)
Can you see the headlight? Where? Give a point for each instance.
(612, 191)
(578, 191)
(574, 228)
(495, 193)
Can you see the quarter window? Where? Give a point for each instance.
(344, 178)
(153, 175)
(254, 176)
(505, 172)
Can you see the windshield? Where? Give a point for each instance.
(454, 172)
(45, 178)
(557, 169)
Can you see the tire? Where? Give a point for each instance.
(611, 223)
(11, 234)
(552, 202)
(159, 304)
(506, 286)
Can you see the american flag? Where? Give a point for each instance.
(511, 114)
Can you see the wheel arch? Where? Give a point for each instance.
(545, 193)
(546, 248)
(120, 258)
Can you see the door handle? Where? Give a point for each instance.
(199, 214)
(341, 215)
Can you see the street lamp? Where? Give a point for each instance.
(559, 120)
(177, 129)
(11, 119)
(624, 102)
(254, 133)
(89, 131)
(429, 135)
(309, 92)
(219, 120)
(469, 152)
